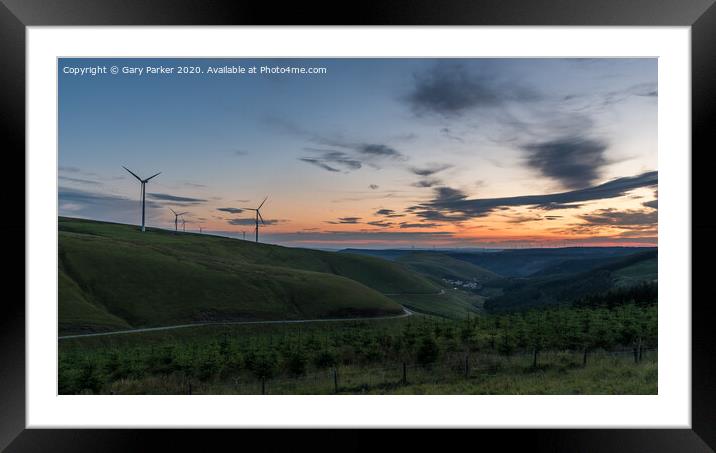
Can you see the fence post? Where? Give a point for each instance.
(640, 349)
(467, 366)
(263, 386)
(335, 380)
(189, 387)
(405, 375)
(584, 358)
(534, 358)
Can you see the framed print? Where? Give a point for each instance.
(384, 222)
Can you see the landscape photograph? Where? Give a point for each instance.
(356, 226)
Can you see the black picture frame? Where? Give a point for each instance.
(700, 15)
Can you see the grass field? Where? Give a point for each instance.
(114, 277)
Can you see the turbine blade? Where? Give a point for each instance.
(152, 176)
(262, 203)
(140, 179)
(182, 213)
(262, 219)
(173, 211)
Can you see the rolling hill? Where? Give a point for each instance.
(111, 277)
(538, 291)
(518, 262)
(441, 266)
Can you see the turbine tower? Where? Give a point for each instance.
(143, 182)
(258, 216)
(176, 219)
(183, 224)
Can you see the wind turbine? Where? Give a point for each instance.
(258, 216)
(143, 182)
(176, 219)
(183, 224)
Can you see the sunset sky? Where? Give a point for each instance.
(372, 153)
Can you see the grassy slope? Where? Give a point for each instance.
(452, 304)
(443, 266)
(112, 276)
(528, 262)
(559, 289)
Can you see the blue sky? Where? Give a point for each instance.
(370, 135)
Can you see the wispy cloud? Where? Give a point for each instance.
(332, 160)
(418, 225)
(79, 180)
(175, 199)
(614, 217)
(380, 223)
(430, 169)
(231, 210)
(344, 220)
(100, 205)
(253, 221)
(453, 204)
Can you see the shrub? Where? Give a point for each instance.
(428, 351)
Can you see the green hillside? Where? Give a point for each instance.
(525, 293)
(442, 266)
(113, 277)
(450, 303)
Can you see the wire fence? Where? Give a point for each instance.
(453, 368)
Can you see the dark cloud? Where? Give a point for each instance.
(653, 204)
(628, 218)
(452, 204)
(388, 213)
(575, 162)
(374, 186)
(435, 215)
(240, 152)
(524, 218)
(377, 150)
(332, 160)
(380, 223)
(252, 221)
(418, 225)
(175, 198)
(231, 210)
(451, 89)
(343, 155)
(447, 195)
(554, 206)
(384, 212)
(430, 169)
(341, 220)
(427, 182)
(318, 163)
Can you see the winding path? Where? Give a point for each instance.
(406, 312)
